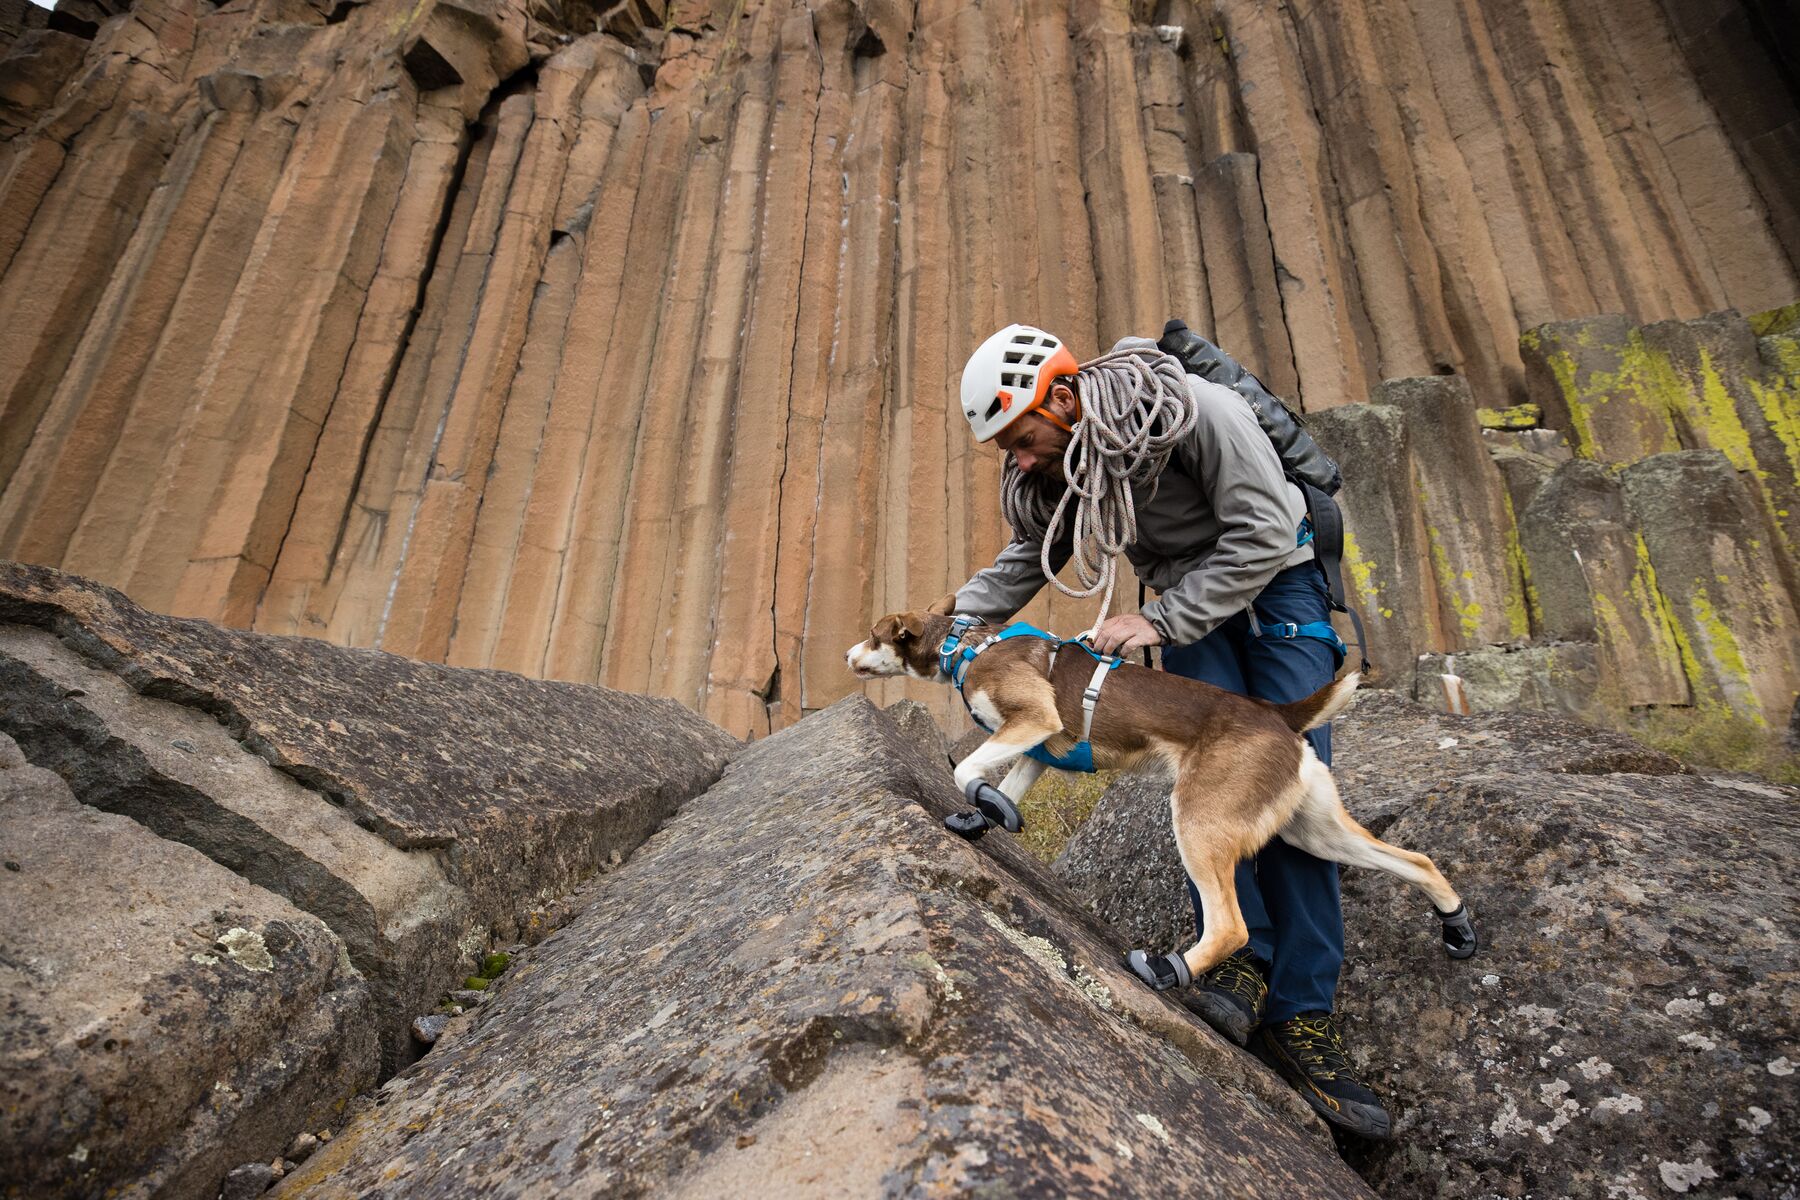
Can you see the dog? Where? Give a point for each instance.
(1243, 774)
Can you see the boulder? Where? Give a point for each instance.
(1724, 405)
(421, 811)
(1736, 627)
(1122, 864)
(1592, 579)
(1525, 457)
(1628, 1027)
(804, 985)
(1596, 380)
(1468, 514)
(916, 722)
(161, 1019)
(1557, 677)
(1387, 570)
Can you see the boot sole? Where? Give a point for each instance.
(1225, 1017)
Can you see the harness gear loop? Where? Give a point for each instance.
(1136, 408)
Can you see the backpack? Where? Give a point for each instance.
(1306, 465)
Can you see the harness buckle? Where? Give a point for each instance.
(947, 650)
(1285, 629)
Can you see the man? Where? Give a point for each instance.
(1220, 535)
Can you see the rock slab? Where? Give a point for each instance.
(503, 792)
(804, 985)
(1630, 1025)
(161, 1020)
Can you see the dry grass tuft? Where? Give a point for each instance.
(1056, 807)
(1718, 737)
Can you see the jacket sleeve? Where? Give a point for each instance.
(999, 591)
(1241, 475)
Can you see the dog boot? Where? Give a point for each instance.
(1232, 996)
(995, 805)
(966, 825)
(1308, 1051)
(1162, 972)
(1459, 932)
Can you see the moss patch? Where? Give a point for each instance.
(1720, 738)
(1785, 319)
(1519, 416)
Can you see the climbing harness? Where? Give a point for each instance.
(955, 656)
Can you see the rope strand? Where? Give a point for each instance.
(1135, 408)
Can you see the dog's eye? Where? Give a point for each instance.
(903, 635)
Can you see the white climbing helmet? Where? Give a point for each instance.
(1009, 375)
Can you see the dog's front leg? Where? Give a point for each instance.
(1019, 779)
(987, 758)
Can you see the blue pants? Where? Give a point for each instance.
(1289, 898)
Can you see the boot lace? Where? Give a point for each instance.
(1316, 1044)
(1239, 977)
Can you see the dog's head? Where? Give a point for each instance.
(902, 643)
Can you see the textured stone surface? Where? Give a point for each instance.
(614, 343)
(1596, 379)
(1627, 1028)
(424, 812)
(1722, 580)
(1469, 532)
(162, 1018)
(804, 985)
(1593, 580)
(1557, 677)
(1387, 563)
(179, 773)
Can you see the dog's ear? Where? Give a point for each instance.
(912, 625)
(886, 631)
(945, 607)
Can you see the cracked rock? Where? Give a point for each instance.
(803, 959)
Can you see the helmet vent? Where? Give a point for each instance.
(1016, 379)
(993, 409)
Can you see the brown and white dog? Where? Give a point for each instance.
(1243, 774)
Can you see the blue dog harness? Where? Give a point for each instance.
(954, 658)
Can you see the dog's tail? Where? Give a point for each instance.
(1322, 705)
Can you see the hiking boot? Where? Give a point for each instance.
(1308, 1052)
(1232, 996)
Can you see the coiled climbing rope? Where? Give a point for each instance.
(1135, 409)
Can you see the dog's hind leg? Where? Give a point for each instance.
(1322, 827)
(1215, 878)
(1214, 809)
(1215, 818)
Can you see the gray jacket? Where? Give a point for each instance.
(1222, 524)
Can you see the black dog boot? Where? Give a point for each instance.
(1308, 1051)
(995, 805)
(1459, 932)
(1162, 971)
(966, 825)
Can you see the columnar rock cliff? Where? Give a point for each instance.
(616, 341)
(1644, 558)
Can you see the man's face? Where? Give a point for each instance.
(1035, 443)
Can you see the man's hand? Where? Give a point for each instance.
(1125, 633)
